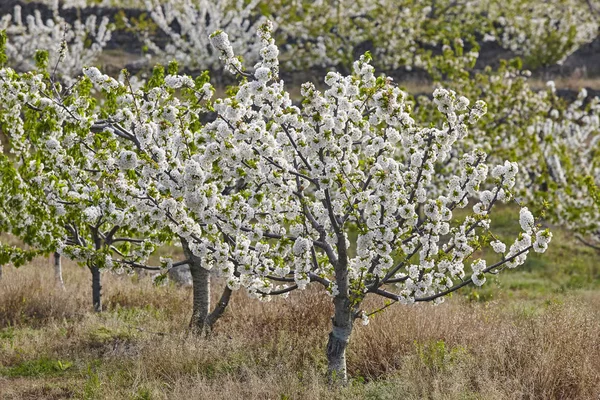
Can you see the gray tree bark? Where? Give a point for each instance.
(203, 320)
(343, 318)
(342, 324)
(219, 308)
(58, 276)
(96, 288)
(96, 283)
(200, 289)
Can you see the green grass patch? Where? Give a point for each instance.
(41, 367)
(102, 335)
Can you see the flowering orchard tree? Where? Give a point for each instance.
(271, 194)
(543, 32)
(56, 193)
(20, 213)
(188, 23)
(352, 159)
(70, 46)
(554, 140)
(23, 216)
(568, 138)
(153, 137)
(15, 205)
(325, 34)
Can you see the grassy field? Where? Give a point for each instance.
(531, 333)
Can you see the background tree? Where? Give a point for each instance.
(70, 45)
(152, 133)
(554, 139)
(58, 180)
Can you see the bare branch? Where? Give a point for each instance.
(587, 243)
(468, 281)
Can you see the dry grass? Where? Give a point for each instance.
(546, 352)
(26, 298)
(52, 347)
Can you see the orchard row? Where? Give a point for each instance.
(401, 35)
(359, 187)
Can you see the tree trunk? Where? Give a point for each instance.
(200, 289)
(342, 323)
(343, 316)
(219, 309)
(96, 288)
(58, 277)
(0, 272)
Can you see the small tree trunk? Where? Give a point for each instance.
(200, 289)
(219, 309)
(96, 288)
(342, 323)
(58, 277)
(0, 272)
(201, 302)
(343, 317)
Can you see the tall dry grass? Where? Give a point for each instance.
(550, 351)
(140, 348)
(29, 296)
